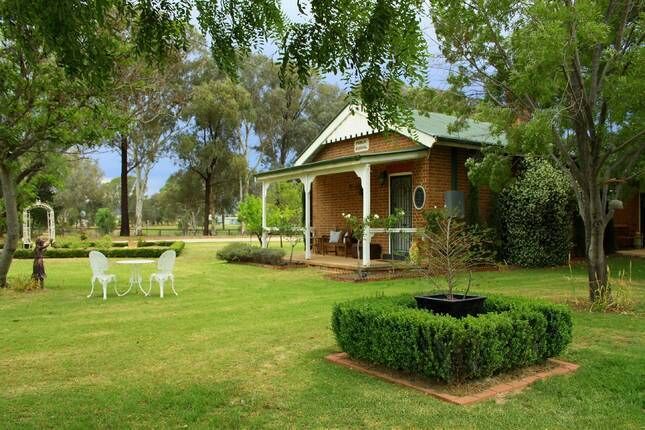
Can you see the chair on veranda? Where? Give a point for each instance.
(336, 242)
(164, 272)
(99, 265)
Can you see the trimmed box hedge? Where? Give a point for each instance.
(393, 332)
(117, 252)
(245, 253)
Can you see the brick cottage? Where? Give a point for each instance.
(352, 168)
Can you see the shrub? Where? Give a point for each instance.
(104, 242)
(70, 243)
(536, 216)
(105, 220)
(245, 253)
(22, 283)
(145, 243)
(392, 332)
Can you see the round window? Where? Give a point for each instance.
(419, 197)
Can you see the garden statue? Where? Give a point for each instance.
(38, 274)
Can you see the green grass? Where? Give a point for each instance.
(244, 346)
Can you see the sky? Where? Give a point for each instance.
(109, 160)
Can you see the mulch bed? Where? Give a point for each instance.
(465, 393)
(286, 266)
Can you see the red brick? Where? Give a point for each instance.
(333, 195)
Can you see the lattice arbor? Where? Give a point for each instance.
(26, 222)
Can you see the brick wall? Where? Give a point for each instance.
(626, 222)
(628, 215)
(340, 193)
(378, 143)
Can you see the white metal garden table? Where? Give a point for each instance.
(135, 274)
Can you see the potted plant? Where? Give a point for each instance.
(448, 249)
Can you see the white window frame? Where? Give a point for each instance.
(425, 197)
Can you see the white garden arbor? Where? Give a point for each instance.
(26, 222)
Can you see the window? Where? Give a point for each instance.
(419, 197)
(361, 145)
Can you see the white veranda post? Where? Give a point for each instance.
(26, 222)
(307, 180)
(363, 173)
(265, 189)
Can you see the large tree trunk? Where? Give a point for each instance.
(207, 203)
(11, 208)
(596, 258)
(125, 217)
(595, 218)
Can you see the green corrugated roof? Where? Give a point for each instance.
(436, 124)
(332, 161)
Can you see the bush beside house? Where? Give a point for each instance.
(535, 217)
(245, 253)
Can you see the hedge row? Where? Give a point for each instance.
(245, 253)
(64, 244)
(121, 252)
(392, 332)
(148, 243)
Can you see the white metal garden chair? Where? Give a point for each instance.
(164, 272)
(99, 265)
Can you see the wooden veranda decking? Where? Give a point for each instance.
(336, 262)
(639, 253)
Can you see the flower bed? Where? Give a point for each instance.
(150, 251)
(392, 332)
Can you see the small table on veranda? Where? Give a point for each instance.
(135, 274)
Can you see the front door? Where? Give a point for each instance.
(401, 198)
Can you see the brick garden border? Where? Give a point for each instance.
(562, 368)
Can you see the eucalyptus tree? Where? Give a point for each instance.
(149, 99)
(179, 199)
(213, 113)
(82, 188)
(152, 135)
(287, 113)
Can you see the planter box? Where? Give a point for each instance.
(456, 306)
(512, 332)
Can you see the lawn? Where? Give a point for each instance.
(244, 346)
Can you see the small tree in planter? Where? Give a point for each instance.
(448, 248)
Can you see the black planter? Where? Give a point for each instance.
(458, 306)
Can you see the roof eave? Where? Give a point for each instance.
(338, 165)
